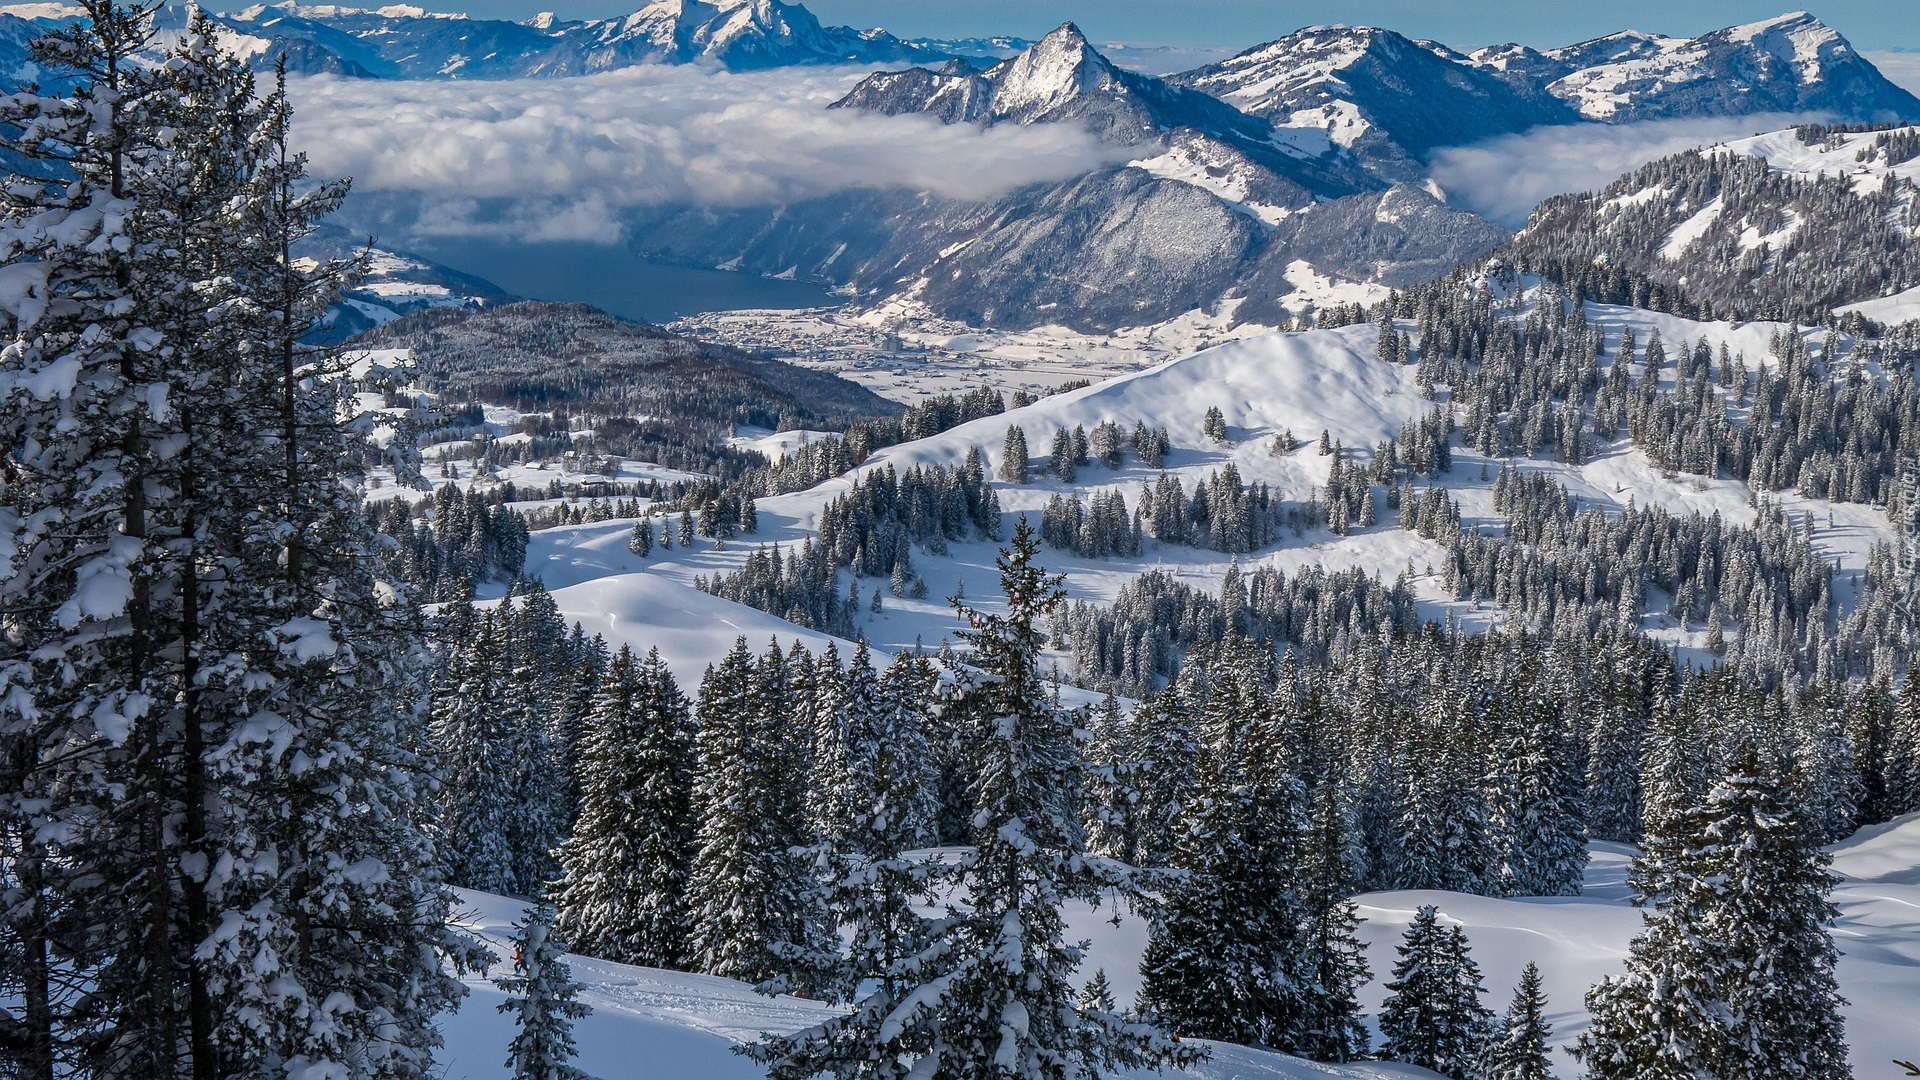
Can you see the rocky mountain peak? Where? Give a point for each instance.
(1789, 63)
(1058, 68)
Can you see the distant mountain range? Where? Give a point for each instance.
(1301, 158)
(1317, 170)
(405, 42)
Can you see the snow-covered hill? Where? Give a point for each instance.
(649, 1023)
(1302, 382)
(1798, 221)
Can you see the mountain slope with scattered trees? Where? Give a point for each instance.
(1789, 225)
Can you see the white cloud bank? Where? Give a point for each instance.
(560, 159)
(1505, 178)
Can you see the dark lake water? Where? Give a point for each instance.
(614, 279)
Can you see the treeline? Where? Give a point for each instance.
(1556, 565)
(820, 460)
(1278, 784)
(802, 588)
(1533, 383)
(870, 530)
(1136, 643)
(870, 527)
(1076, 449)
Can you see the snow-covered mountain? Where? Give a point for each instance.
(409, 42)
(1794, 222)
(1062, 78)
(740, 35)
(1387, 98)
(1790, 63)
(1210, 210)
(1392, 100)
(403, 41)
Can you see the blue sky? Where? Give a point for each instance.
(1869, 24)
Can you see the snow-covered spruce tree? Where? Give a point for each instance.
(1433, 1017)
(1733, 975)
(1333, 963)
(541, 1000)
(758, 914)
(623, 895)
(880, 807)
(1611, 804)
(1060, 456)
(1214, 425)
(1112, 795)
(206, 598)
(640, 541)
(1519, 1050)
(327, 893)
(543, 670)
(1013, 456)
(77, 659)
(825, 715)
(991, 995)
(1444, 841)
(1097, 995)
(472, 733)
(1223, 960)
(1539, 844)
(1166, 751)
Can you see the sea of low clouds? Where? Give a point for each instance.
(564, 159)
(1503, 179)
(570, 159)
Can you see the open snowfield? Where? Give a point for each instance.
(650, 1024)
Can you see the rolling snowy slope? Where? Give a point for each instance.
(649, 1023)
(1305, 382)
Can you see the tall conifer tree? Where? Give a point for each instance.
(623, 895)
(1733, 975)
(1519, 1050)
(991, 996)
(1433, 1016)
(757, 912)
